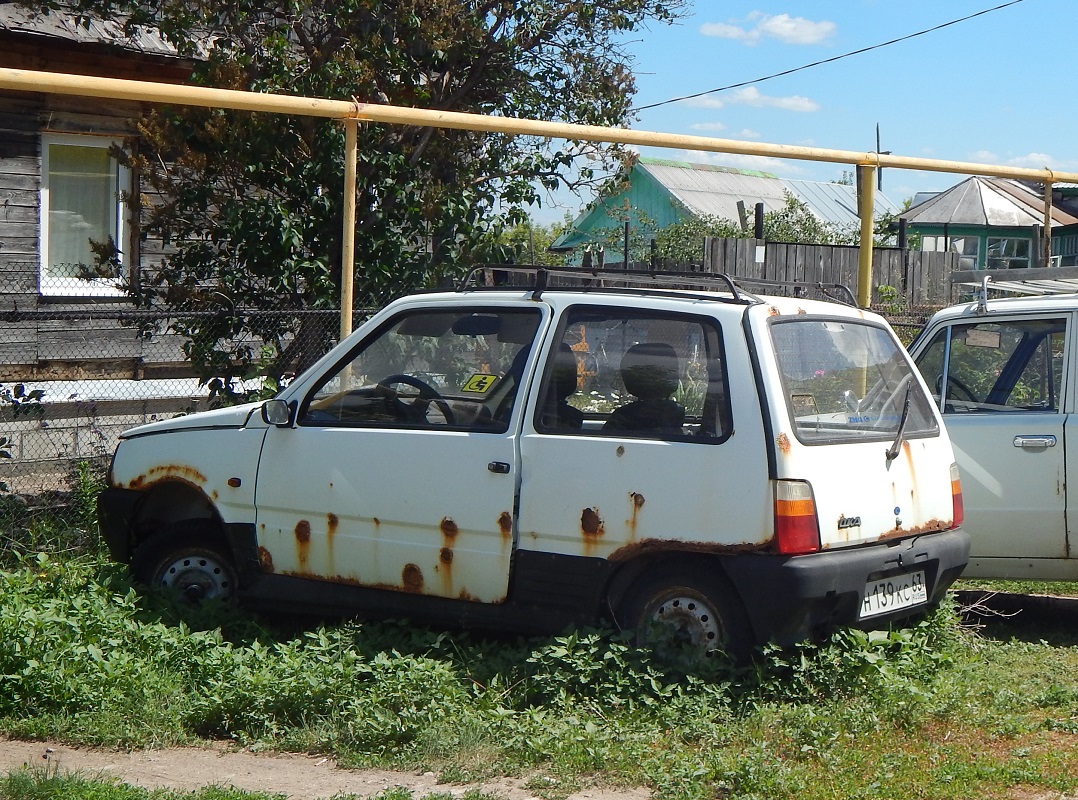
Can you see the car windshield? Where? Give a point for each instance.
(847, 380)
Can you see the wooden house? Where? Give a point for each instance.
(62, 189)
(996, 223)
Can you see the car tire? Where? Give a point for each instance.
(685, 613)
(189, 560)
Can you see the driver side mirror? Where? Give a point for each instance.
(277, 413)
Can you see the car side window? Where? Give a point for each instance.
(628, 373)
(1009, 366)
(460, 369)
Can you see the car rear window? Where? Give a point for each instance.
(847, 381)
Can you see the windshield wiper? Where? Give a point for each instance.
(892, 451)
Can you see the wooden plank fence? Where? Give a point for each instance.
(918, 279)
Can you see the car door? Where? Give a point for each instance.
(632, 423)
(1001, 384)
(400, 471)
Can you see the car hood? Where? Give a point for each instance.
(231, 417)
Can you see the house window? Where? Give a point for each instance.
(1006, 253)
(82, 210)
(967, 247)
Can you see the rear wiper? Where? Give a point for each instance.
(892, 451)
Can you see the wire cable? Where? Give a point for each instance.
(826, 60)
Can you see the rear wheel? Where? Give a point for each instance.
(685, 613)
(187, 560)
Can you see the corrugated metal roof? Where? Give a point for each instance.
(987, 202)
(716, 191)
(54, 25)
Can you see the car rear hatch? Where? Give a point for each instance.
(858, 443)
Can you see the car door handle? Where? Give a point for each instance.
(1034, 442)
(498, 467)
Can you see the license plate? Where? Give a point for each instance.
(894, 593)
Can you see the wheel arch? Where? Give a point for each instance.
(168, 503)
(629, 573)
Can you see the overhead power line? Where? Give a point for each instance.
(826, 60)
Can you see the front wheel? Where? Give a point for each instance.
(188, 561)
(684, 613)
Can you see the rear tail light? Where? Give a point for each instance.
(959, 513)
(797, 530)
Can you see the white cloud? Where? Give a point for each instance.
(782, 27)
(1035, 161)
(747, 134)
(722, 31)
(751, 96)
(708, 126)
(984, 156)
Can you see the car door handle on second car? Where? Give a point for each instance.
(1034, 442)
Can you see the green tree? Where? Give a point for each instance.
(251, 203)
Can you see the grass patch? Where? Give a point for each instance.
(937, 710)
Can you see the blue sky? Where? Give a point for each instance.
(995, 89)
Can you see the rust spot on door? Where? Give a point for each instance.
(303, 544)
(505, 524)
(412, 576)
(636, 502)
(448, 527)
(446, 555)
(265, 560)
(591, 524)
(332, 523)
(303, 531)
(783, 441)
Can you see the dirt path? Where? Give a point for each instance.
(295, 776)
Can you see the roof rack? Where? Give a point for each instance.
(599, 278)
(1032, 281)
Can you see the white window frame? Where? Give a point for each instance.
(73, 287)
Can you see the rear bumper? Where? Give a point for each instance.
(793, 598)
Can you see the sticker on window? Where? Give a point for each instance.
(479, 383)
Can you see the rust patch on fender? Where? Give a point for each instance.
(446, 555)
(652, 546)
(505, 524)
(591, 524)
(448, 527)
(165, 472)
(265, 560)
(772, 311)
(465, 595)
(783, 442)
(332, 523)
(413, 578)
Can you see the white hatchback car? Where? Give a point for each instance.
(740, 468)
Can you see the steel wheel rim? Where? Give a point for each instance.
(686, 621)
(197, 578)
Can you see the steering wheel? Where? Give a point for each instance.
(956, 383)
(416, 410)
